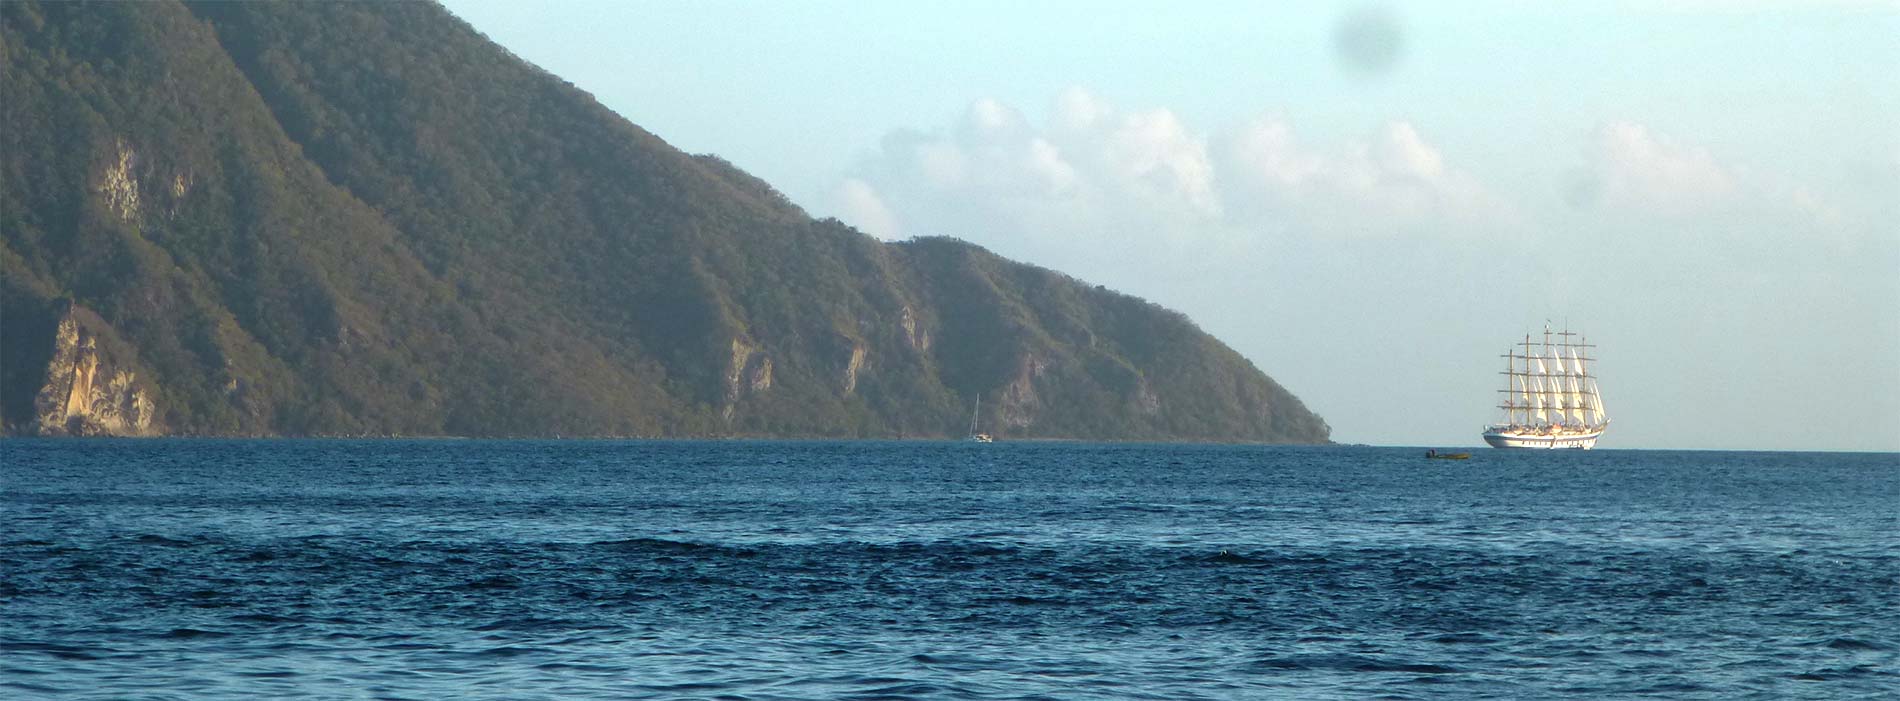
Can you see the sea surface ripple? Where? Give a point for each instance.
(411, 569)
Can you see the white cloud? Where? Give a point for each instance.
(860, 205)
(1399, 150)
(1078, 110)
(986, 114)
(1097, 174)
(942, 165)
(1150, 155)
(1664, 189)
(1267, 149)
(1148, 183)
(1395, 182)
(1628, 165)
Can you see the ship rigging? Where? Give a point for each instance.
(1550, 399)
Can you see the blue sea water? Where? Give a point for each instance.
(205, 569)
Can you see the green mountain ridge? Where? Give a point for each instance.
(367, 219)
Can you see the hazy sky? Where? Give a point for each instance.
(1369, 201)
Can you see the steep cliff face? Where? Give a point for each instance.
(749, 373)
(88, 392)
(365, 218)
(1021, 403)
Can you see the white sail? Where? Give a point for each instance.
(1561, 393)
(1589, 384)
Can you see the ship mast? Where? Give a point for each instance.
(1531, 400)
(1527, 389)
(1545, 400)
(1552, 369)
(1518, 390)
(1586, 405)
(1588, 382)
(1528, 386)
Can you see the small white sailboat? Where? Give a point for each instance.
(976, 437)
(1550, 397)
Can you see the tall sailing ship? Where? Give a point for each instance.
(1550, 397)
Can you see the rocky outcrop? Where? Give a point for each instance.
(118, 185)
(1020, 402)
(750, 372)
(89, 393)
(917, 340)
(851, 367)
(130, 187)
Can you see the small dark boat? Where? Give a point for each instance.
(1435, 455)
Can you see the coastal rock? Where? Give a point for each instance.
(748, 373)
(88, 392)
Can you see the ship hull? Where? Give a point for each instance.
(1515, 439)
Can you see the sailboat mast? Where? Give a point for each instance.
(1533, 386)
(1513, 381)
(1517, 398)
(1586, 409)
(1532, 401)
(1598, 416)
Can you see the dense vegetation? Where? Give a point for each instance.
(365, 218)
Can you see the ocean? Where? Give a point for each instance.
(436, 569)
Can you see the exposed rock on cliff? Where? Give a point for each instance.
(914, 338)
(88, 392)
(1020, 402)
(749, 373)
(851, 367)
(118, 186)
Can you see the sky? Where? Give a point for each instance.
(1369, 201)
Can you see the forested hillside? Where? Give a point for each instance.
(366, 219)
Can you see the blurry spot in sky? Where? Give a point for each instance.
(1368, 41)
